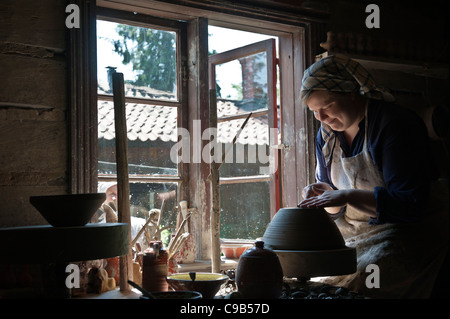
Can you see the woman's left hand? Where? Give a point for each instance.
(331, 198)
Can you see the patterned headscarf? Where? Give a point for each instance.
(338, 73)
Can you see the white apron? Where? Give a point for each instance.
(408, 256)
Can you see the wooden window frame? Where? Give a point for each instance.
(269, 47)
(107, 14)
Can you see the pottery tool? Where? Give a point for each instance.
(145, 292)
(178, 240)
(184, 212)
(133, 242)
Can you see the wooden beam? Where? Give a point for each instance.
(83, 100)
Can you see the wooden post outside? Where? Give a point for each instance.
(123, 186)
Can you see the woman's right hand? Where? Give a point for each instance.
(315, 189)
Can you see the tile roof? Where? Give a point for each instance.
(151, 122)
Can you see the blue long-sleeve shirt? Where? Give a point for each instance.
(399, 146)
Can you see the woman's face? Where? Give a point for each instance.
(339, 111)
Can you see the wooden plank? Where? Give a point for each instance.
(82, 95)
(238, 53)
(287, 122)
(233, 13)
(106, 97)
(273, 123)
(139, 20)
(303, 122)
(215, 193)
(123, 186)
(198, 105)
(244, 179)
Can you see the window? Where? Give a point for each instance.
(186, 98)
(149, 56)
(245, 80)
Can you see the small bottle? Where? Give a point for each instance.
(155, 268)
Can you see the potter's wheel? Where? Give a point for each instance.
(316, 263)
(309, 244)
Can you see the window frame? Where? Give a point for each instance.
(269, 48)
(179, 28)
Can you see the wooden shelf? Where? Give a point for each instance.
(418, 68)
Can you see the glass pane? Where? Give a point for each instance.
(152, 132)
(251, 151)
(245, 210)
(143, 198)
(243, 82)
(146, 57)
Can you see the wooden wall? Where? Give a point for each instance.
(33, 107)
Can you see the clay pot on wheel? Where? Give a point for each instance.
(309, 244)
(259, 273)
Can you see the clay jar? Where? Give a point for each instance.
(155, 268)
(309, 244)
(295, 228)
(259, 274)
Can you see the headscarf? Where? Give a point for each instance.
(338, 73)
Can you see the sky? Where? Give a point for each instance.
(220, 39)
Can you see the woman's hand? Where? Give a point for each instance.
(329, 198)
(315, 189)
(311, 194)
(333, 200)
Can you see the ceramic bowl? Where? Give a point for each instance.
(68, 210)
(175, 295)
(208, 284)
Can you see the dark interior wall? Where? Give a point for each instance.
(33, 107)
(400, 18)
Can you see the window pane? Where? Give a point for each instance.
(245, 210)
(152, 131)
(146, 57)
(143, 198)
(146, 196)
(250, 152)
(244, 82)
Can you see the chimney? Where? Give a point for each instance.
(248, 87)
(111, 70)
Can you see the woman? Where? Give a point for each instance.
(375, 179)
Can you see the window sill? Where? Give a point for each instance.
(205, 265)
